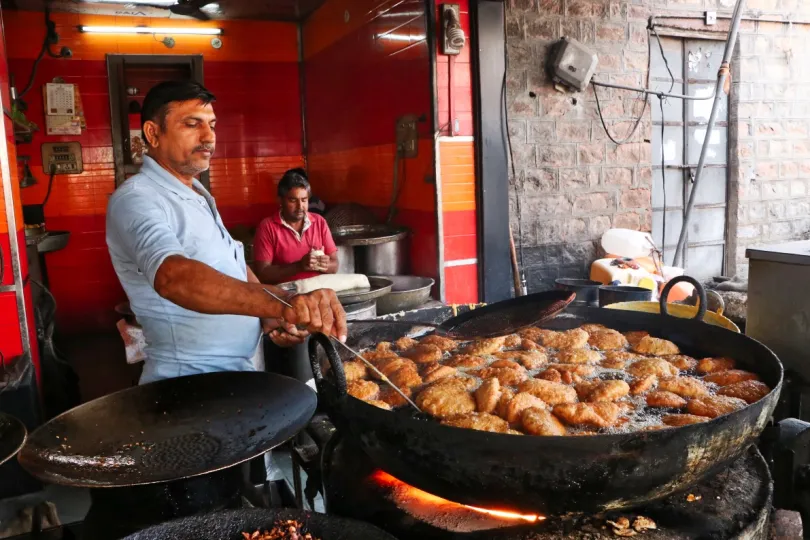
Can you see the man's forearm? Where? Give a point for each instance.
(277, 273)
(332, 267)
(198, 287)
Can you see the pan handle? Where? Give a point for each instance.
(698, 287)
(334, 361)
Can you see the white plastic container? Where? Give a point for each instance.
(627, 243)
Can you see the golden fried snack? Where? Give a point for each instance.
(504, 363)
(380, 404)
(652, 366)
(512, 341)
(585, 388)
(383, 346)
(688, 387)
(584, 370)
(713, 365)
(354, 370)
(662, 398)
(424, 354)
(446, 398)
(714, 406)
(642, 385)
(725, 378)
(389, 366)
(656, 347)
(445, 344)
(748, 391)
(592, 328)
(406, 376)
(607, 340)
(405, 343)
(365, 390)
(550, 374)
(487, 395)
(618, 359)
(601, 414)
(484, 346)
(578, 356)
(538, 421)
(634, 337)
(570, 339)
(434, 372)
(379, 356)
(534, 334)
(530, 359)
(467, 382)
(529, 345)
(569, 377)
(609, 391)
(478, 421)
(677, 420)
(507, 376)
(550, 392)
(392, 397)
(514, 432)
(681, 361)
(465, 361)
(502, 409)
(521, 402)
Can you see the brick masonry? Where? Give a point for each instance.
(574, 183)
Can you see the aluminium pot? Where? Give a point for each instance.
(377, 249)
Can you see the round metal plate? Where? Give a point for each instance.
(12, 436)
(367, 235)
(169, 429)
(379, 287)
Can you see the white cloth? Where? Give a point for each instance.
(336, 282)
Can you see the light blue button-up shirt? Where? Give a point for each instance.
(150, 217)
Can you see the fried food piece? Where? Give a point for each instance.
(380, 404)
(681, 361)
(609, 391)
(365, 390)
(688, 387)
(424, 354)
(406, 376)
(534, 334)
(468, 382)
(502, 409)
(656, 347)
(585, 388)
(677, 420)
(487, 395)
(503, 363)
(618, 359)
(662, 398)
(378, 356)
(634, 337)
(652, 366)
(550, 392)
(443, 343)
(592, 328)
(713, 365)
(465, 361)
(514, 432)
(484, 346)
(434, 372)
(478, 421)
(529, 345)
(714, 406)
(389, 366)
(642, 385)
(725, 378)
(570, 339)
(446, 398)
(584, 370)
(601, 414)
(550, 374)
(521, 402)
(578, 356)
(569, 377)
(354, 370)
(748, 391)
(607, 340)
(512, 341)
(405, 343)
(392, 397)
(538, 421)
(383, 346)
(530, 359)
(507, 376)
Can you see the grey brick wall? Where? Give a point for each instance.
(575, 183)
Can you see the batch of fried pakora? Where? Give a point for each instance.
(584, 381)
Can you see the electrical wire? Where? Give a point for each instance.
(635, 125)
(663, 55)
(663, 182)
(50, 185)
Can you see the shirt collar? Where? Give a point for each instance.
(165, 179)
(307, 224)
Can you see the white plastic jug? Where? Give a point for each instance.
(627, 243)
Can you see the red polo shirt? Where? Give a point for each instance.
(278, 243)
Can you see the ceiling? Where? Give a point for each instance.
(283, 10)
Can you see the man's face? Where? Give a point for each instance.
(187, 141)
(294, 204)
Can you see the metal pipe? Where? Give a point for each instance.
(721, 82)
(654, 92)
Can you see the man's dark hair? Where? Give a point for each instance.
(294, 178)
(156, 103)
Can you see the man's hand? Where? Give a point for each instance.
(283, 333)
(318, 311)
(323, 263)
(311, 262)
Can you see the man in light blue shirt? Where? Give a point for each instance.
(198, 303)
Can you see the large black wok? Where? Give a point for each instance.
(555, 474)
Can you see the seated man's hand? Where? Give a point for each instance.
(282, 333)
(311, 262)
(318, 311)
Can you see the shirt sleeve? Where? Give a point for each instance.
(329, 246)
(141, 230)
(263, 244)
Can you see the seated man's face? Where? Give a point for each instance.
(294, 205)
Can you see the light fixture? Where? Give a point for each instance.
(150, 30)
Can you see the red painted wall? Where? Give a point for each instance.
(255, 77)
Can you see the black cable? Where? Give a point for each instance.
(604, 125)
(34, 69)
(663, 56)
(50, 186)
(663, 182)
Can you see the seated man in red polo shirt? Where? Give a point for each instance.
(294, 244)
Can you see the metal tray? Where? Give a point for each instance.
(379, 287)
(12, 436)
(368, 235)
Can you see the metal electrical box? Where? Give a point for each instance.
(64, 157)
(572, 63)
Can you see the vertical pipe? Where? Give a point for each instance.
(721, 82)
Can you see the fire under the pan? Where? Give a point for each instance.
(734, 504)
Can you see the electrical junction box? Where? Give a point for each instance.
(572, 63)
(62, 158)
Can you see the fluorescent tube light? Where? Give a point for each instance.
(150, 30)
